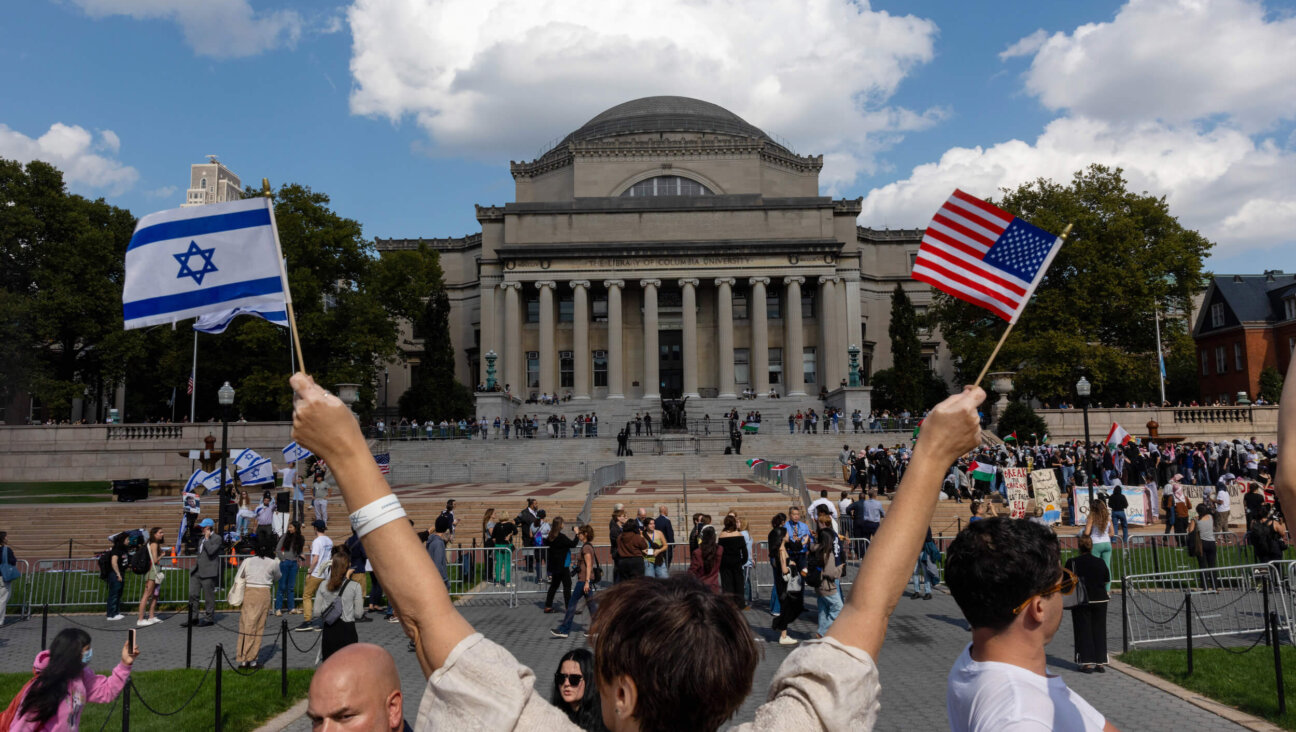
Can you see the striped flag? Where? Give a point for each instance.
(982, 471)
(1117, 435)
(384, 462)
(294, 452)
(982, 254)
(754, 462)
(189, 390)
(188, 262)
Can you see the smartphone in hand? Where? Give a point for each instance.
(130, 635)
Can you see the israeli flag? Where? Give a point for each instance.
(195, 481)
(218, 322)
(189, 262)
(211, 481)
(258, 473)
(294, 452)
(245, 458)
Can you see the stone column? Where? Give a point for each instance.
(724, 327)
(652, 382)
(514, 375)
(759, 336)
(828, 365)
(487, 326)
(843, 334)
(689, 287)
(616, 371)
(548, 334)
(793, 339)
(581, 354)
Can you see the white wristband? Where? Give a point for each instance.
(380, 512)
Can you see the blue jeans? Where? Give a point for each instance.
(114, 595)
(829, 608)
(1121, 524)
(577, 596)
(287, 597)
(919, 581)
(660, 571)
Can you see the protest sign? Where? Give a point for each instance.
(1018, 495)
(1047, 494)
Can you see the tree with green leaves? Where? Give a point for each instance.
(61, 270)
(1019, 417)
(1271, 384)
(908, 372)
(434, 393)
(1126, 255)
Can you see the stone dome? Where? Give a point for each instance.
(665, 114)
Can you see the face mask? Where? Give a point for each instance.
(85, 657)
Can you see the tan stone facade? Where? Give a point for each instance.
(670, 248)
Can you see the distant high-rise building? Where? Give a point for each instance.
(212, 182)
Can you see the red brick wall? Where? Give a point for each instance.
(1259, 349)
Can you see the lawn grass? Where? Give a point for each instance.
(1244, 681)
(246, 701)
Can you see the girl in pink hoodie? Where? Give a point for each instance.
(64, 683)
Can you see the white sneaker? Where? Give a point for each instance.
(154, 621)
(118, 616)
(787, 640)
(141, 623)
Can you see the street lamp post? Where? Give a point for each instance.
(386, 387)
(225, 395)
(1083, 389)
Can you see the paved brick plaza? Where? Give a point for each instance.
(924, 639)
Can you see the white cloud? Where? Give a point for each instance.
(218, 28)
(1182, 94)
(163, 192)
(1175, 61)
(1026, 46)
(501, 77)
(1237, 192)
(72, 149)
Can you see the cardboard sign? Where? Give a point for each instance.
(1047, 494)
(1237, 509)
(1018, 495)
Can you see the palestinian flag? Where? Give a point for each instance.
(751, 427)
(754, 462)
(1044, 438)
(982, 471)
(916, 429)
(1118, 435)
(1012, 437)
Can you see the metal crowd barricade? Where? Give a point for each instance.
(70, 583)
(20, 590)
(1224, 602)
(477, 573)
(762, 572)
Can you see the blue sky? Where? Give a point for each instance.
(407, 112)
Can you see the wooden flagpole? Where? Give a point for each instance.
(990, 361)
(292, 319)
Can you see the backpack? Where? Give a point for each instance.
(8, 716)
(105, 565)
(1264, 538)
(139, 561)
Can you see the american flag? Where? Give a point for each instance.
(984, 255)
(384, 463)
(189, 390)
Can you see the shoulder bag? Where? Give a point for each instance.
(235, 595)
(333, 612)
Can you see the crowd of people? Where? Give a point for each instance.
(674, 650)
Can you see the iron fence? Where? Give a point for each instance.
(62, 583)
(604, 477)
(1221, 604)
(19, 592)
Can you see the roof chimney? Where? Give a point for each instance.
(1237, 279)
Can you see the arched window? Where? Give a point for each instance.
(667, 185)
(203, 185)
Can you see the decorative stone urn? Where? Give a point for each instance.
(1001, 384)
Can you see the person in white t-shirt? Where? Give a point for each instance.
(321, 557)
(823, 500)
(1223, 504)
(1007, 578)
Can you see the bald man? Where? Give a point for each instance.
(357, 690)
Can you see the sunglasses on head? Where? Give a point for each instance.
(572, 679)
(1065, 585)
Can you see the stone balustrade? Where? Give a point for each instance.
(1191, 423)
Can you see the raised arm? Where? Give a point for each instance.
(1285, 476)
(950, 430)
(326, 427)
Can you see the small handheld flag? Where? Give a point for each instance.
(219, 321)
(1012, 437)
(1117, 435)
(982, 471)
(294, 452)
(984, 255)
(188, 262)
(384, 462)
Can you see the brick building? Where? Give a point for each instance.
(1246, 322)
